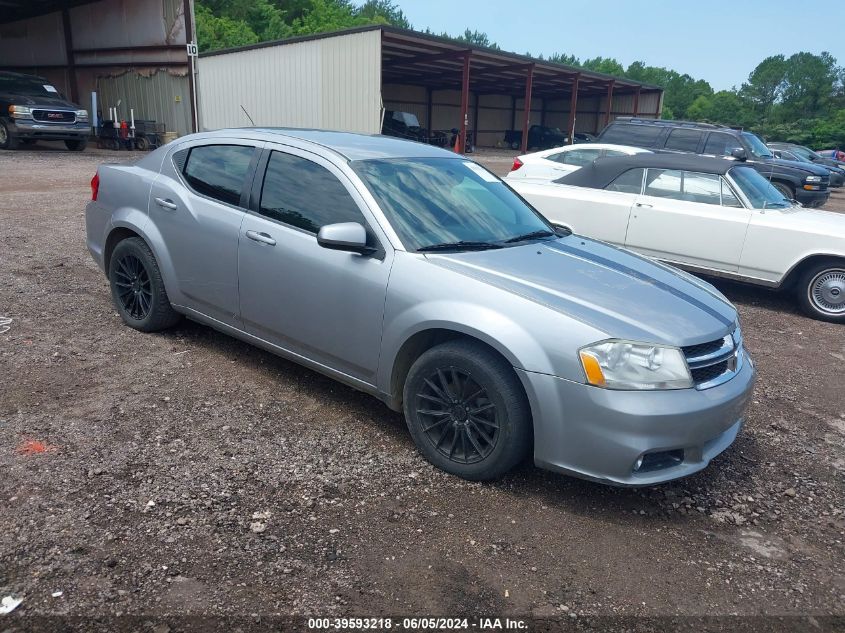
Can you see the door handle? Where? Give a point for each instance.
(644, 206)
(166, 204)
(261, 237)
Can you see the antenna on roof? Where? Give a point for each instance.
(247, 115)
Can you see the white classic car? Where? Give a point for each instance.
(559, 161)
(712, 216)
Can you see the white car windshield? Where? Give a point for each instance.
(449, 202)
(757, 189)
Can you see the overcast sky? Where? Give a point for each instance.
(715, 40)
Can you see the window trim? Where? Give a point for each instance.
(245, 187)
(254, 193)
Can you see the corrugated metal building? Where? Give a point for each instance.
(344, 80)
(132, 51)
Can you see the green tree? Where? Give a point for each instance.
(606, 65)
(385, 10)
(215, 32)
(477, 38)
(765, 84)
(810, 84)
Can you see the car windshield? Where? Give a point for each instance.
(804, 152)
(757, 189)
(27, 86)
(758, 147)
(438, 201)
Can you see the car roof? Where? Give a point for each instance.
(581, 146)
(601, 172)
(673, 123)
(349, 145)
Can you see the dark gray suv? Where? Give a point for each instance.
(804, 183)
(32, 109)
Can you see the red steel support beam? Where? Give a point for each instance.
(71, 61)
(189, 36)
(529, 79)
(464, 103)
(637, 102)
(573, 106)
(609, 102)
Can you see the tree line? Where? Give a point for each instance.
(800, 98)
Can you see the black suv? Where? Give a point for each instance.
(806, 183)
(31, 109)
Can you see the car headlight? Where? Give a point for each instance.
(82, 115)
(813, 179)
(616, 364)
(20, 112)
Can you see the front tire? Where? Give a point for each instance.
(137, 288)
(7, 139)
(821, 291)
(466, 411)
(76, 146)
(785, 190)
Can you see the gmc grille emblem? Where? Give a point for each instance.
(55, 115)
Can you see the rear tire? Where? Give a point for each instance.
(821, 291)
(76, 146)
(137, 288)
(7, 139)
(466, 410)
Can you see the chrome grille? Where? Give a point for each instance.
(715, 362)
(54, 116)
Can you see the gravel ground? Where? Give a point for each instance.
(188, 473)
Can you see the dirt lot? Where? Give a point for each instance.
(188, 473)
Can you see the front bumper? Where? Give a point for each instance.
(812, 198)
(31, 129)
(599, 434)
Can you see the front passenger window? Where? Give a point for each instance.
(218, 171)
(306, 195)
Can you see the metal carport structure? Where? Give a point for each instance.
(435, 63)
(344, 80)
(133, 51)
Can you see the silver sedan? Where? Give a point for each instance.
(417, 276)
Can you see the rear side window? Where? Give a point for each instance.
(304, 194)
(218, 171)
(631, 134)
(721, 144)
(683, 140)
(629, 182)
(684, 185)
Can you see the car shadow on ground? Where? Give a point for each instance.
(527, 481)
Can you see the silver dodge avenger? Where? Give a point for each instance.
(417, 276)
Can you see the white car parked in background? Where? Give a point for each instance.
(559, 161)
(713, 216)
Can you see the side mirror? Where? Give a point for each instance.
(344, 236)
(739, 153)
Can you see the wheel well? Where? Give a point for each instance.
(116, 236)
(415, 347)
(795, 274)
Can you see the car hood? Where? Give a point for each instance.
(624, 295)
(827, 223)
(809, 168)
(38, 100)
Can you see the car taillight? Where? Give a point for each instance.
(516, 164)
(95, 186)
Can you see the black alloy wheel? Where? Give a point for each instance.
(135, 290)
(460, 420)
